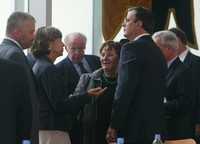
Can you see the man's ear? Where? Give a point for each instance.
(139, 23)
(16, 33)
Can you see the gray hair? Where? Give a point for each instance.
(167, 39)
(73, 35)
(16, 20)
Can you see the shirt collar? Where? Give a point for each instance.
(14, 41)
(183, 55)
(171, 61)
(139, 36)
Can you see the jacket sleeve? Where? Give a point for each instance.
(82, 85)
(52, 83)
(127, 82)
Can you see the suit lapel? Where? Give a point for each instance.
(188, 58)
(90, 64)
(72, 68)
(172, 71)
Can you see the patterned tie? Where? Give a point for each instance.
(83, 70)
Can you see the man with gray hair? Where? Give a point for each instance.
(179, 100)
(72, 67)
(19, 36)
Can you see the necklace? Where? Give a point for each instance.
(109, 80)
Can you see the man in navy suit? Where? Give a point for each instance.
(71, 68)
(138, 105)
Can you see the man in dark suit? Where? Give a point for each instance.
(71, 68)
(20, 35)
(193, 62)
(138, 106)
(15, 105)
(180, 97)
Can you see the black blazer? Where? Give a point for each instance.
(15, 105)
(180, 105)
(138, 106)
(193, 62)
(54, 104)
(31, 59)
(69, 73)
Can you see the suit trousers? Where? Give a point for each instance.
(53, 137)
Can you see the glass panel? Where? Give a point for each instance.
(6, 8)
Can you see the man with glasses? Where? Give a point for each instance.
(71, 68)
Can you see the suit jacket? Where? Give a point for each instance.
(15, 105)
(54, 104)
(138, 111)
(11, 51)
(70, 75)
(193, 62)
(180, 105)
(31, 59)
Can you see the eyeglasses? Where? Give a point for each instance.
(77, 49)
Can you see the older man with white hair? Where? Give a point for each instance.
(180, 97)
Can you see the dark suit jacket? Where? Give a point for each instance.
(193, 62)
(180, 105)
(138, 107)
(54, 104)
(31, 59)
(15, 105)
(70, 75)
(11, 51)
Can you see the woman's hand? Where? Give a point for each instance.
(96, 91)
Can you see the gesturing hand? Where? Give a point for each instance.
(96, 91)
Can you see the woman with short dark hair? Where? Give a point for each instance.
(96, 114)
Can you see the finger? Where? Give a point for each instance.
(103, 90)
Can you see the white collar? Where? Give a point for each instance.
(139, 36)
(14, 41)
(171, 61)
(183, 55)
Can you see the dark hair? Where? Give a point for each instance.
(43, 37)
(145, 16)
(111, 45)
(17, 19)
(180, 34)
(123, 41)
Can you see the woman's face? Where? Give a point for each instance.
(109, 60)
(57, 47)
